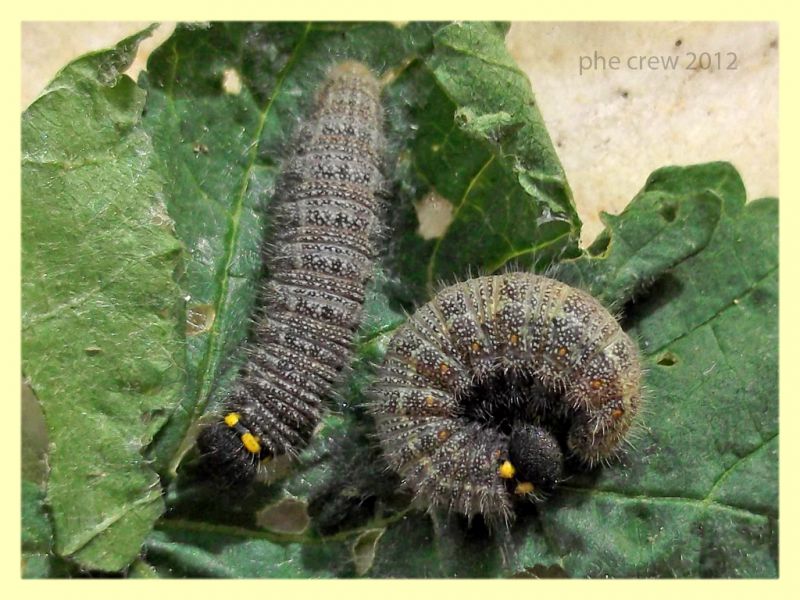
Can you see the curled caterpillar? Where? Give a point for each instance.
(476, 385)
(326, 225)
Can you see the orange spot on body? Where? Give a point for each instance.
(429, 401)
(443, 435)
(617, 413)
(596, 384)
(562, 351)
(475, 346)
(513, 339)
(444, 368)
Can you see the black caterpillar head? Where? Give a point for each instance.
(536, 458)
(223, 457)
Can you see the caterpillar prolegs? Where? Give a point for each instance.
(472, 385)
(326, 225)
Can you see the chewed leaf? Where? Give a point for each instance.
(472, 135)
(124, 361)
(101, 312)
(696, 495)
(656, 231)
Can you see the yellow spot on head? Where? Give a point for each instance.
(513, 339)
(506, 470)
(231, 419)
(617, 413)
(443, 435)
(429, 401)
(444, 368)
(562, 351)
(251, 443)
(596, 384)
(475, 346)
(526, 487)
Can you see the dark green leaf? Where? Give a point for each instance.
(473, 137)
(696, 496)
(655, 232)
(690, 266)
(101, 345)
(197, 550)
(38, 560)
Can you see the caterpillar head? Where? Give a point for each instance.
(223, 457)
(536, 459)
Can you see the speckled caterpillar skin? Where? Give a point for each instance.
(512, 327)
(320, 258)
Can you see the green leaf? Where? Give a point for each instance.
(101, 346)
(189, 550)
(653, 234)
(37, 536)
(690, 267)
(474, 138)
(697, 494)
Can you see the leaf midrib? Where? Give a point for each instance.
(210, 361)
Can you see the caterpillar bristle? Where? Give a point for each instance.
(324, 237)
(533, 370)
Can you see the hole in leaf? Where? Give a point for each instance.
(668, 211)
(600, 245)
(363, 550)
(231, 82)
(668, 359)
(435, 213)
(286, 516)
(199, 318)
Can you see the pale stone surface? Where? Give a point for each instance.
(49, 46)
(611, 128)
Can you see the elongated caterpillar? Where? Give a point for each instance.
(326, 224)
(475, 385)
